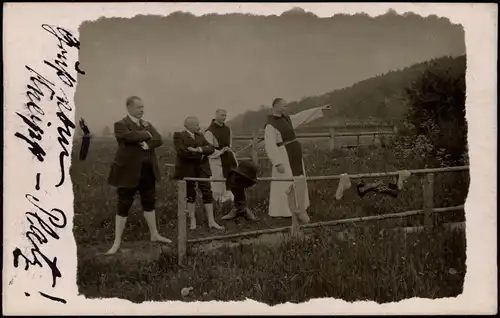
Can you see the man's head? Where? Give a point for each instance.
(220, 116)
(279, 106)
(135, 107)
(192, 124)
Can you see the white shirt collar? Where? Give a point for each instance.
(190, 133)
(135, 120)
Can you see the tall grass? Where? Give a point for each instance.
(373, 267)
(384, 268)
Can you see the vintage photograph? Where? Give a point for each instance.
(276, 158)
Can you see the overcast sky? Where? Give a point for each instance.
(184, 65)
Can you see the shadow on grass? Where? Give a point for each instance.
(370, 266)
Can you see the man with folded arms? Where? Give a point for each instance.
(135, 168)
(192, 161)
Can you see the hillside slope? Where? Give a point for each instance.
(379, 97)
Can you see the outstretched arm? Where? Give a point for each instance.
(306, 116)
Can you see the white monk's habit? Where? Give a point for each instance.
(283, 148)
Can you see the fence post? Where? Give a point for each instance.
(331, 144)
(255, 159)
(293, 206)
(428, 195)
(295, 228)
(357, 140)
(377, 132)
(181, 221)
(394, 133)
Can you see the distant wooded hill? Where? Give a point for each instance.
(377, 99)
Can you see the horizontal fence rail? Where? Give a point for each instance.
(332, 134)
(351, 176)
(351, 125)
(320, 135)
(427, 181)
(325, 223)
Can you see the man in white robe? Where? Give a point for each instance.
(285, 153)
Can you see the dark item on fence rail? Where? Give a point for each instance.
(84, 148)
(377, 187)
(364, 188)
(247, 170)
(390, 189)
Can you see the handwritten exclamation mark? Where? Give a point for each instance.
(37, 186)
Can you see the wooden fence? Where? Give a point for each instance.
(427, 181)
(332, 135)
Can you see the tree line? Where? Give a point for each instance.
(380, 99)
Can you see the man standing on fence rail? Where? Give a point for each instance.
(222, 161)
(239, 179)
(285, 153)
(192, 161)
(135, 168)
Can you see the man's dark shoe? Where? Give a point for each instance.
(249, 215)
(231, 215)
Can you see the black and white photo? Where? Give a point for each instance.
(212, 155)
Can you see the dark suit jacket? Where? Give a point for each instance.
(190, 164)
(126, 168)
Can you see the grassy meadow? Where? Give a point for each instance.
(370, 266)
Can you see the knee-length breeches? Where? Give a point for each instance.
(147, 192)
(205, 188)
